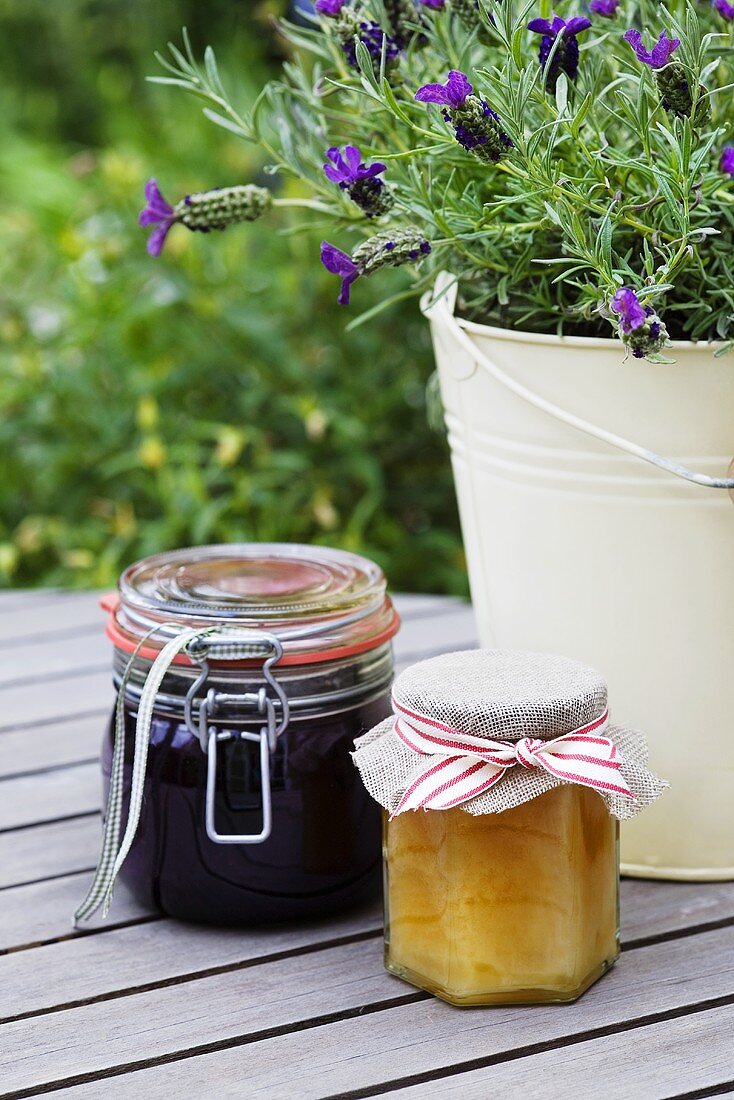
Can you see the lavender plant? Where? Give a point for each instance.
(578, 182)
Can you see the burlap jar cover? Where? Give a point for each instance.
(487, 730)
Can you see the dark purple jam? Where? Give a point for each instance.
(324, 851)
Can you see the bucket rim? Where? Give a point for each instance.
(523, 336)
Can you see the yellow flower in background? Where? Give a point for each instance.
(152, 452)
(9, 557)
(78, 558)
(230, 444)
(147, 413)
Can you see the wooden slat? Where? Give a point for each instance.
(48, 851)
(43, 615)
(690, 1053)
(73, 969)
(66, 614)
(12, 598)
(659, 908)
(50, 795)
(66, 741)
(162, 952)
(648, 908)
(25, 707)
(304, 1010)
(330, 1058)
(55, 658)
(42, 911)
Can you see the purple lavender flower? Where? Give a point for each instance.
(631, 314)
(159, 213)
(639, 327)
(360, 181)
(454, 93)
(476, 126)
(566, 56)
(671, 78)
(727, 160)
(201, 212)
(329, 7)
(391, 248)
(607, 8)
(724, 8)
(372, 36)
(436, 5)
(661, 52)
(347, 168)
(339, 263)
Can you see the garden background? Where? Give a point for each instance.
(212, 394)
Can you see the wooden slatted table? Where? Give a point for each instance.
(144, 1006)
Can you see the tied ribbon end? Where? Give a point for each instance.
(460, 766)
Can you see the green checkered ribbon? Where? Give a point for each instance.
(216, 642)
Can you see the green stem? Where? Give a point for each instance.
(576, 199)
(304, 204)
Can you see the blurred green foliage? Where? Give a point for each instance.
(211, 395)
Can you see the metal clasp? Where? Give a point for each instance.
(209, 737)
(213, 737)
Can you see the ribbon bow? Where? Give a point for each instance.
(460, 767)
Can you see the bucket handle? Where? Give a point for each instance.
(440, 304)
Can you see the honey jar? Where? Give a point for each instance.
(502, 783)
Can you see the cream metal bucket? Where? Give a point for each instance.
(582, 543)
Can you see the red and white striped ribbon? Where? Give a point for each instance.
(460, 767)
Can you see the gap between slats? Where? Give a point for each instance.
(385, 1087)
(246, 964)
(724, 1089)
(458, 1070)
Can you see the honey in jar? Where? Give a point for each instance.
(501, 871)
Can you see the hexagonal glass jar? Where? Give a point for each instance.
(514, 907)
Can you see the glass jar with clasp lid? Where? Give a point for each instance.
(244, 673)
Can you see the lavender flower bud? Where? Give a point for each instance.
(372, 37)
(359, 180)
(675, 93)
(467, 11)
(404, 18)
(566, 56)
(649, 339)
(222, 207)
(477, 127)
(330, 8)
(639, 327)
(392, 248)
(670, 76)
(208, 210)
(371, 196)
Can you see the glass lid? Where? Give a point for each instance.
(322, 603)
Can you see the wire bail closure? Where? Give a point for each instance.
(209, 735)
